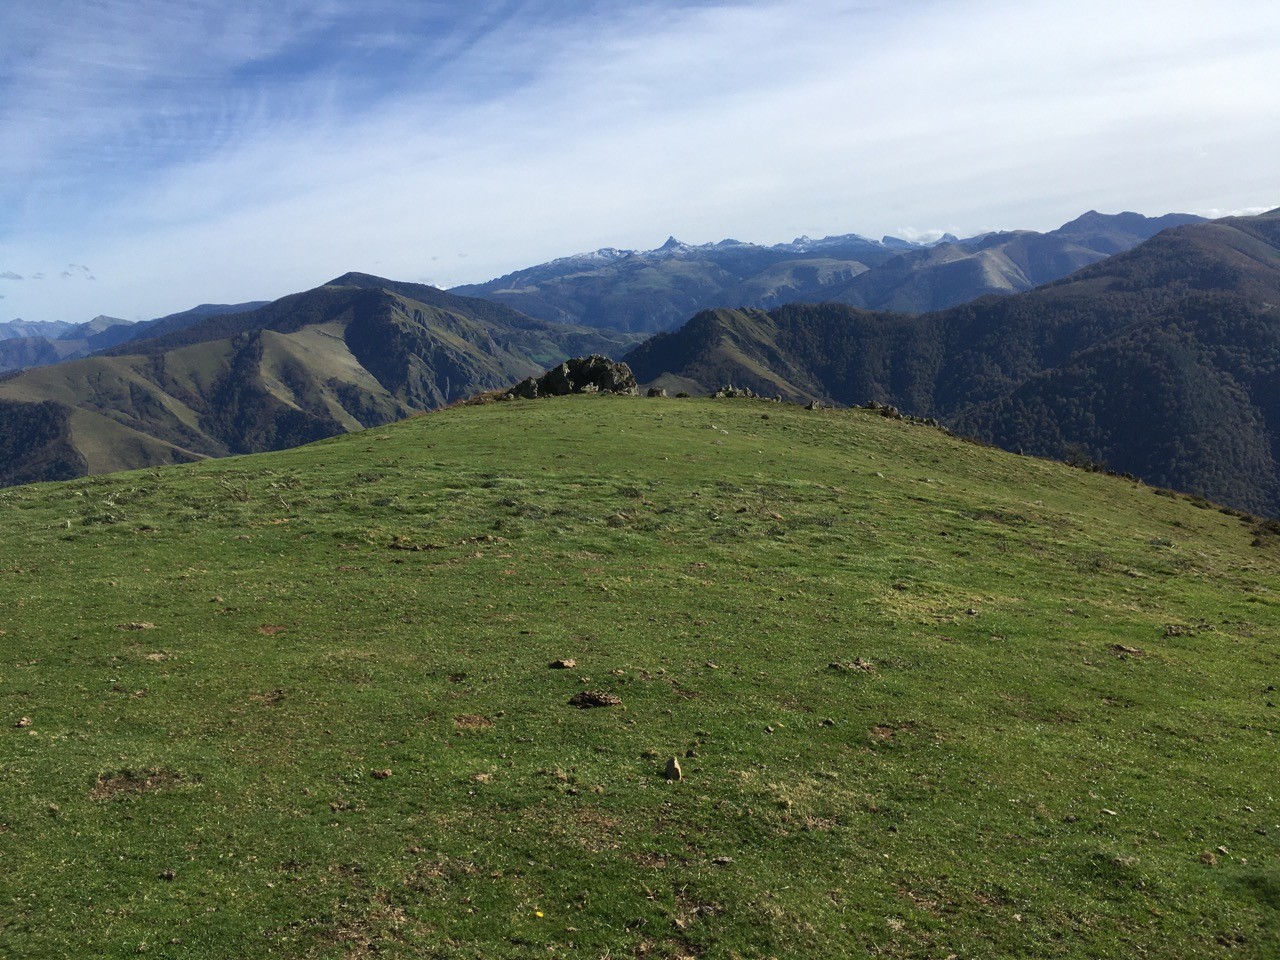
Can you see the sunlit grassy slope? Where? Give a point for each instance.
(930, 699)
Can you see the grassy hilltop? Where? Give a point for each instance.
(930, 699)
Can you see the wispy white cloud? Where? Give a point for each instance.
(257, 153)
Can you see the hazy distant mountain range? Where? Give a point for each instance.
(356, 352)
(37, 344)
(1163, 361)
(656, 290)
(649, 291)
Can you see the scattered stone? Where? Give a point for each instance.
(828, 722)
(566, 664)
(1124, 651)
(657, 392)
(1110, 813)
(673, 770)
(594, 698)
(722, 861)
(24, 722)
(169, 875)
(814, 405)
(1207, 857)
(380, 774)
(691, 753)
(135, 626)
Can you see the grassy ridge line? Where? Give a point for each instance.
(204, 787)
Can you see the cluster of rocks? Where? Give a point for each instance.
(593, 374)
(729, 391)
(599, 374)
(893, 413)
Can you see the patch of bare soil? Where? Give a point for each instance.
(594, 698)
(134, 783)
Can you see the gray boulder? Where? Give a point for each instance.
(593, 374)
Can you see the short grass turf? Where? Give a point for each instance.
(930, 699)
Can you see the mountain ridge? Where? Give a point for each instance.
(341, 357)
(61, 341)
(656, 290)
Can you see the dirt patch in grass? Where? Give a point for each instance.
(368, 931)
(588, 699)
(884, 731)
(271, 629)
(472, 721)
(126, 783)
(650, 861)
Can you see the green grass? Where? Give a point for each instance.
(1004, 781)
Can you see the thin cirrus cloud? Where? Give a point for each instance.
(198, 151)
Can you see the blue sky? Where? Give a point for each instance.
(158, 154)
